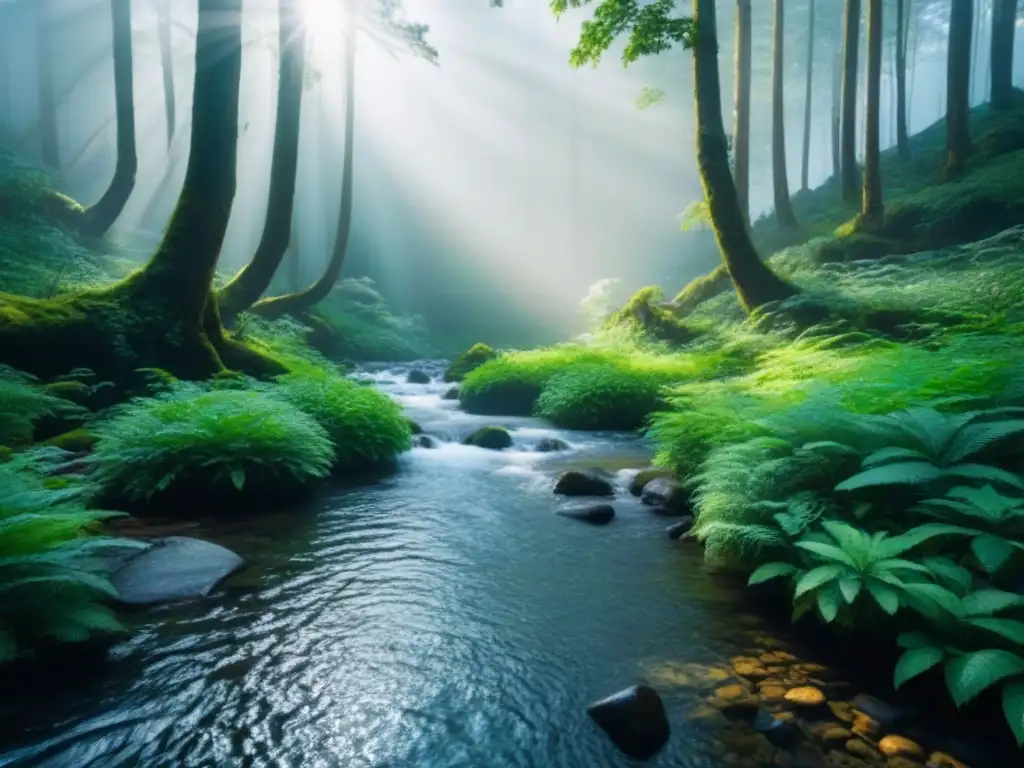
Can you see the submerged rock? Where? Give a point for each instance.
(414, 427)
(634, 719)
(677, 530)
(667, 495)
(885, 713)
(424, 441)
(900, 746)
(599, 514)
(551, 445)
(491, 438)
(578, 482)
(416, 376)
(644, 476)
(451, 394)
(806, 697)
(174, 568)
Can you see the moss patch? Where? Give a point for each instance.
(469, 361)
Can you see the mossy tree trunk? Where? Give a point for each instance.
(755, 283)
(851, 44)
(808, 90)
(163, 10)
(741, 129)
(300, 302)
(902, 36)
(958, 87)
(780, 180)
(1004, 28)
(101, 217)
(48, 139)
(254, 278)
(872, 208)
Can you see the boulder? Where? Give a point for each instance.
(644, 476)
(900, 746)
(551, 445)
(634, 719)
(491, 438)
(677, 530)
(578, 482)
(174, 568)
(599, 514)
(451, 394)
(667, 495)
(416, 376)
(424, 441)
(469, 361)
(414, 427)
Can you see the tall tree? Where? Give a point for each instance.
(741, 129)
(101, 217)
(163, 9)
(837, 100)
(851, 43)
(254, 278)
(902, 137)
(48, 140)
(872, 208)
(780, 181)
(805, 168)
(1004, 29)
(958, 86)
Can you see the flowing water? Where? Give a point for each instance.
(442, 617)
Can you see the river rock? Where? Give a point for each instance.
(644, 476)
(942, 760)
(414, 427)
(634, 719)
(677, 530)
(577, 482)
(174, 568)
(491, 438)
(416, 376)
(887, 715)
(599, 514)
(862, 749)
(667, 495)
(424, 441)
(806, 697)
(551, 445)
(832, 735)
(900, 746)
(451, 394)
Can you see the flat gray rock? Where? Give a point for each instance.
(174, 568)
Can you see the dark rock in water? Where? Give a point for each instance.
(644, 476)
(634, 719)
(781, 733)
(668, 494)
(551, 445)
(414, 427)
(492, 438)
(600, 514)
(416, 376)
(577, 482)
(451, 394)
(424, 441)
(676, 530)
(884, 713)
(175, 568)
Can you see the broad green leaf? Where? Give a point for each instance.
(903, 473)
(828, 604)
(969, 675)
(939, 596)
(975, 437)
(916, 661)
(850, 586)
(1013, 709)
(992, 552)
(951, 574)
(1008, 628)
(888, 455)
(816, 577)
(884, 595)
(897, 545)
(238, 478)
(985, 472)
(771, 571)
(827, 551)
(987, 602)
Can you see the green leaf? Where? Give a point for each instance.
(986, 602)
(1008, 628)
(238, 478)
(950, 573)
(888, 455)
(850, 586)
(939, 596)
(827, 551)
(969, 675)
(770, 571)
(975, 437)
(884, 595)
(916, 661)
(817, 577)
(904, 473)
(986, 473)
(828, 604)
(992, 552)
(897, 545)
(1013, 709)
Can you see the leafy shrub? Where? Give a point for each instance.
(193, 440)
(51, 577)
(23, 402)
(469, 361)
(599, 397)
(366, 426)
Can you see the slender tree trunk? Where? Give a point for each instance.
(805, 169)
(872, 208)
(303, 301)
(101, 217)
(975, 51)
(916, 26)
(837, 99)
(755, 283)
(958, 106)
(48, 139)
(741, 130)
(902, 138)
(253, 279)
(163, 9)
(1004, 21)
(851, 42)
(780, 182)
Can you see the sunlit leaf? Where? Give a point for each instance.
(969, 675)
(816, 578)
(916, 661)
(771, 571)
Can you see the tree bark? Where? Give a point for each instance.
(780, 182)
(902, 137)
(872, 208)
(755, 283)
(302, 301)
(958, 77)
(246, 287)
(48, 139)
(975, 52)
(741, 131)
(805, 168)
(163, 9)
(101, 217)
(837, 98)
(851, 43)
(1004, 28)
(916, 26)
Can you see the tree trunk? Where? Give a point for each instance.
(805, 169)
(741, 131)
(302, 301)
(837, 93)
(872, 208)
(780, 182)
(851, 42)
(48, 140)
(101, 217)
(1004, 28)
(253, 279)
(916, 25)
(163, 9)
(958, 107)
(755, 283)
(902, 137)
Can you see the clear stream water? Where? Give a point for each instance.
(444, 617)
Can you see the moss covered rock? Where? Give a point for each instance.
(6, 454)
(468, 361)
(76, 441)
(491, 438)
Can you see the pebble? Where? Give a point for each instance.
(772, 692)
(752, 671)
(842, 711)
(900, 746)
(806, 697)
(902, 762)
(942, 760)
(834, 735)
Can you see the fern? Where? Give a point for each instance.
(23, 402)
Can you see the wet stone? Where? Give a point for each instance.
(842, 711)
(772, 693)
(942, 760)
(900, 746)
(833, 735)
(751, 671)
(866, 726)
(805, 697)
(634, 719)
(902, 762)
(862, 749)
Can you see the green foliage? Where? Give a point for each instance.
(366, 427)
(469, 361)
(599, 397)
(647, 316)
(51, 570)
(651, 27)
(23, 402)
(198, 441)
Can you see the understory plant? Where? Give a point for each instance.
(599, 397)
(23, 402)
